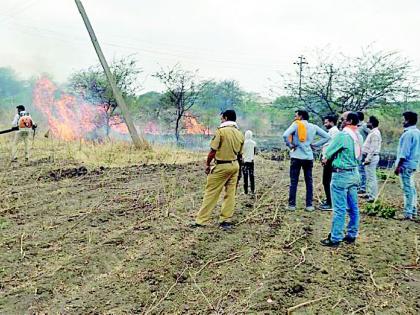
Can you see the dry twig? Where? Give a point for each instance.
(294, 308)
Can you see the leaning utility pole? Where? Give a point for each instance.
(138, 143)
(300, 63)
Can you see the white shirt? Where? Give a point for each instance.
(15, 121)
(372, 144)
(249, 150)
(333, 131)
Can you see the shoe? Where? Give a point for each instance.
(195, 225)
(14, 160)
(370, 200)
(310, 208)
(291, 208)
(349, 239)
(325, 207)
(226, 226)
(329, 243)
(363, 196)
(361, 192)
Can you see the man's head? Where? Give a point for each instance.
(20, 108)
(361, 116)
(349, 119)
(373, 122)
(228, 115)
(330, 121)
(301, 114)
(410, 119)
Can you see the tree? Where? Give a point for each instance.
(93, 85)
(182, 90)
(354, 84)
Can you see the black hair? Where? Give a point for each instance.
(229, 114)
(353, 118)
(20, 108)
(332, 118)
(361, 116)
(374, 121)
(303, 113)
(411, 117)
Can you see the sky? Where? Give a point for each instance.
(244, 40)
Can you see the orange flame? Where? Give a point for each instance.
(193, 127)
(69, 117)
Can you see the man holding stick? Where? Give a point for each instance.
(344, 151)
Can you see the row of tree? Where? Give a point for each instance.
(372, 80)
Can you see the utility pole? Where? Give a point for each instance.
(300, 63)
(330, 77)
(138, 143)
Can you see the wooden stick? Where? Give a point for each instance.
(373, 281)
(22, 253)
(293, 308)
(166, 294)
(201, 292)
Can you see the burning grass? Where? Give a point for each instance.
(114, 239)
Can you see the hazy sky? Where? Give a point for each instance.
(245, 40)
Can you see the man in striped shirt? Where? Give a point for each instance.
(344, 151)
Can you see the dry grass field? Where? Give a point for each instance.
(103, 229)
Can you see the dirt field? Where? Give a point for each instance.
(93, 238)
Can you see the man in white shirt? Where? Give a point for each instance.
(248, 167)
(22, 135)
(371, 149)
(330, 123)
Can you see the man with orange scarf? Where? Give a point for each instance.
(299, 138)
(344, 151)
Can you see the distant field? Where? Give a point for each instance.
(104, 229)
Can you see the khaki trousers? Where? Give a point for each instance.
(21, 136)
(221, 176)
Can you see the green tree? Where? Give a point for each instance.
(92, 85)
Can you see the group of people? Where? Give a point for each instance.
(350, 153)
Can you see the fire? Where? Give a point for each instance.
(69, 117)
(193, 127)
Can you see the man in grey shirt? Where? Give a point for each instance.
(364, 131)
(299, 138)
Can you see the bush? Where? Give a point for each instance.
(380, 209)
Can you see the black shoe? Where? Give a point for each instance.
(329, 243)
(361, 192)
(325, 207)
(195, 225)
(349, 239)
(226, 226)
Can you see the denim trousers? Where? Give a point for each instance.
(371, 179)
(295, 166)
(344, 194)
(410, 194)
(362, 172)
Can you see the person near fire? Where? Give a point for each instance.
(344, 151)
(250, 148)
(330, 123)
(299, 139)
(371, 150)
(226, 149)
(23, 124)
(407, 163)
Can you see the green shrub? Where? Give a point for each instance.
(380, 209)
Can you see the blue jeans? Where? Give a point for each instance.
(362, 172)
(410, 193)
(344, 194)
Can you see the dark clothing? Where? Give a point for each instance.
(295, 166)
(248, 171)
(326, 180)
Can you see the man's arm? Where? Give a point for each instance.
(404, 152)
(335, 146)
(15, 121)
(289, 131)
(325, 137)
(210, 158)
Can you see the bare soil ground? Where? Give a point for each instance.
(89, 239)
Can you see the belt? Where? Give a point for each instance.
(341, 170)
(224, 162)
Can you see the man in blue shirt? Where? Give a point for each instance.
(299, 138)
(407, 162)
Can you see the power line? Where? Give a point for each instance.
(300, 63)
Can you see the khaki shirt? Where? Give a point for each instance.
(228, 142)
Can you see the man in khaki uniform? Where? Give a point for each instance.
(226, 150)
